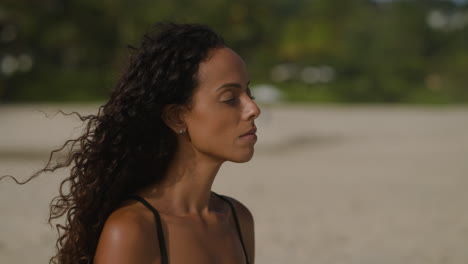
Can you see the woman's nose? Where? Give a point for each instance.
(253, 111)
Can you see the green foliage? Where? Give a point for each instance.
(380, 51)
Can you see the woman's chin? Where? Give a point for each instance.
(245, 157)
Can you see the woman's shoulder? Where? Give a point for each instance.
(246, 222)
(242, 210)
(131, 219)
(126, 235)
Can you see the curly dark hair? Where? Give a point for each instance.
(126, 145)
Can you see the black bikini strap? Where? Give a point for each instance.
(162, 243)
(236, 220)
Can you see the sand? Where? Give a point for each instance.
(328, 183)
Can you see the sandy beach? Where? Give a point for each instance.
(364, 184)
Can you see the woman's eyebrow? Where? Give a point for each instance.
(236, 85)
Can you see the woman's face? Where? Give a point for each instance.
(222, 109)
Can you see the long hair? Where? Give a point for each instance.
(126, 145)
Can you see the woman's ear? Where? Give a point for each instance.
(172, 116)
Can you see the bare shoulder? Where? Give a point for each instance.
(125, 237)
(242, 211)
(247, 226)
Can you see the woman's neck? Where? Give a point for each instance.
(187, 188)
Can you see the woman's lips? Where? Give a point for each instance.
(250, 135)
(252, 131)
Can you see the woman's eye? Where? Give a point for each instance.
(230, 101)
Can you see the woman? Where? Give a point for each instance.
(141, 177)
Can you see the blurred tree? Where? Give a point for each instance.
(380, 51)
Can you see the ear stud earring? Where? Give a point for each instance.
(181, 131)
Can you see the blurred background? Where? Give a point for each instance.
(363, 139)
(311, 50)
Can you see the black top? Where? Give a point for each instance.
(162, 243)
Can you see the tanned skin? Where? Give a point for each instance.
(198, 226)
